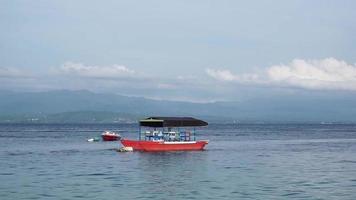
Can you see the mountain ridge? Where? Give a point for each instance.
(52, 104)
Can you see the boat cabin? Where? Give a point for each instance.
(169, 128)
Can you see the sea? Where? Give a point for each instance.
(241, 161)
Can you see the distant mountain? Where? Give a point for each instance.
(73, 101)
(84, 106)
(73, 106)
(72, 117)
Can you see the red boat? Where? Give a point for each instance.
(166, 134)
(110, 136)
(165, 145)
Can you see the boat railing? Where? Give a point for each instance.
(167, 135)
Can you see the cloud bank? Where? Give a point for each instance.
(328, 73)
(226, 75)
(79, 69)
(324, 75)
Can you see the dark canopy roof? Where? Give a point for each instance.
(172, 122)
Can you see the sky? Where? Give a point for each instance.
(200, 51)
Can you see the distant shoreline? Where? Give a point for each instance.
(210, 123)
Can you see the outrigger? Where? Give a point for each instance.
(167, 134)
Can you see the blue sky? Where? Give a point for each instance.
(186, 50)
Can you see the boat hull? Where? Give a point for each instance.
(110, 137)
(165, 145)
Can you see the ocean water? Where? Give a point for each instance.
(266, 161)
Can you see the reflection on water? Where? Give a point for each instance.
(240, 162)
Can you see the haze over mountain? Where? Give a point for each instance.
(85, 106)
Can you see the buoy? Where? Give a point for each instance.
(93, 139)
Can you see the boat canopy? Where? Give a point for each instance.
(172, 122)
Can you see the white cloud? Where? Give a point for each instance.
(328, 73)
(226, 75)
(222, 75)
(82, 70)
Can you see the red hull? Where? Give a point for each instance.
(110, 137)
(164, 146)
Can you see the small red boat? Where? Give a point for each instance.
(163, 137)
(110, 136)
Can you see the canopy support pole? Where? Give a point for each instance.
(139, 132)
(194, 133)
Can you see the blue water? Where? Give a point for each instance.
(301, 161)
